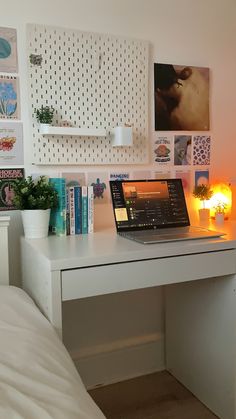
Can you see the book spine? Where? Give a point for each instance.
(57, 221)
(72, 209)
(90, 209)
(77, 193)
(67, 211)
(84, 203)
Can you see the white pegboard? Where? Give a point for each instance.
(92, 81)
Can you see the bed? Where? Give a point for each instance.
(38, 379)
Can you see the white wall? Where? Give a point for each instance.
(188, 32)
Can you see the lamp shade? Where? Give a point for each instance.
(121, 136)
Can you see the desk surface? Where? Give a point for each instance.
(106, 247)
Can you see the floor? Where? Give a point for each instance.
(154, 396)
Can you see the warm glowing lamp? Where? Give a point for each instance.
(221, 200)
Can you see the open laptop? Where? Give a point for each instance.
(154, 211)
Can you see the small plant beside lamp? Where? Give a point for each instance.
(203, 193)
(219, 209)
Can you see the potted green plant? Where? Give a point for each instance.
(44, 116)
(203, 193)
(35, 199)
(220, 208)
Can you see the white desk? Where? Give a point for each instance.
(200, 315)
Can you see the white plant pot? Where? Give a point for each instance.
(35, 223)
(219, 217)
(204, 214)
(44, 128)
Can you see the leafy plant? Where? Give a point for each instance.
(34, 194)
(202, 192)
(44, 114)
(220, 207)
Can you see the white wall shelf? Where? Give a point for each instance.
(83, 132)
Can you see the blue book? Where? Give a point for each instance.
(67, 211)
(57, 223)
(84, 203)
(78, 218)
(72, 209)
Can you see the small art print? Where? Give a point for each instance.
(99, 182)
(8, 50)
(11, 143)
(201, 177)
(183, 150)
(9, 100)
(201, 150)
(7, 179)
(163, 150)
(181, 97)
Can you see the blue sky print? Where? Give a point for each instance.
(8, 97)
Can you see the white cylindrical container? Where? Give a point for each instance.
(44, 128)
(204, 214)
(35, 223)
(219, 217)
(122, 136)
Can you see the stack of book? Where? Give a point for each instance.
(75, 211)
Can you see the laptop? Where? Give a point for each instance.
(154, 211)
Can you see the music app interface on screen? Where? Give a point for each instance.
(143, 204)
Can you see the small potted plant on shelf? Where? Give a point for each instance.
(44, 116)
(220, 208)
(35, 199)
(203, 193)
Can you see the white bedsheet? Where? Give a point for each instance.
(38, 380)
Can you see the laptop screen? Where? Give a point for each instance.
(148, 204)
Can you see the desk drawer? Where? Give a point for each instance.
(106, 279)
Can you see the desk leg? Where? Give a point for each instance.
(56, 302)
(200, 340)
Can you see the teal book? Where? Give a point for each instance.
(57, 223)
(78, 212)
(84, 203)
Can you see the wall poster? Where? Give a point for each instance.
(8, 50)
(9, 97)
(181, 97)
(11, 143)
(7, 179)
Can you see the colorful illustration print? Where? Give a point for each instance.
(163, 150)
(6, 143)
(8, 50)
(11, 143)
(201, 150)
(8, 97)
(98, 188)
(7, 179)
(201, 177)
(183, 150)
